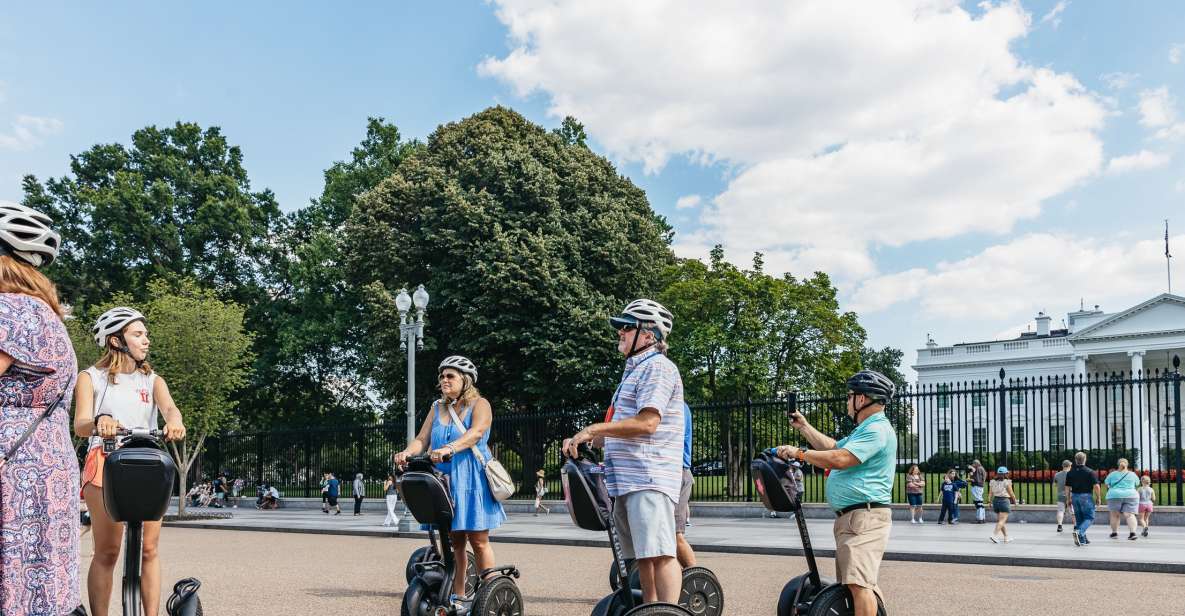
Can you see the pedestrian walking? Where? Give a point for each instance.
(236, 491)
(325, 492)
(952, 485)
(1082, 492)
(359, 493)
(977, 477)
(915, 486)
(1002, 499)
(332, 491)
(1122, 498)
(391, 491)
(1147, 498)
(540, 491)
(1059, 486)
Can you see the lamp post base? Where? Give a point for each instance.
(407, 522)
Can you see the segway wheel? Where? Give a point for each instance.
(415, 599)
(630, 565)
(701, 593)
(658, 609)
(836, 600)
(798, 591)
(498, 597)
(421, 554)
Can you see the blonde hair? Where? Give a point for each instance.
(469, 391)
(19, 277)
(118, 362)
(1145, 480)
(1122, 463)
(914, 470)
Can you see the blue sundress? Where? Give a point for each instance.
(475, 508)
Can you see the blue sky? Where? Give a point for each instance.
(955, 168)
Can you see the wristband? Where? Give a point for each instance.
(802, 456)
(452, 450)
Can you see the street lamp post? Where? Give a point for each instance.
(411, 339)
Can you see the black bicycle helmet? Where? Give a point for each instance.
(872, 384)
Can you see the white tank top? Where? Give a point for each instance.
(129, 400)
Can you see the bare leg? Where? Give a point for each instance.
(1114, 521)
(461, 558)
(108, 537)
(662, 579)
(150, 569)
(863, 599)
(1131, 522)
(1001, 524)
(683, 551)
(1061, 513)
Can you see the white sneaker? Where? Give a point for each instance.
(994, 539)
(913, 521)
(1007, 539)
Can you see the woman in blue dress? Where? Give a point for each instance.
(476, 512)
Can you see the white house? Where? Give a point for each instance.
(1139, 341)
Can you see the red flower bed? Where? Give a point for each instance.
(1047, 475)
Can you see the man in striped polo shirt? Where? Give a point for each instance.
(643, 440)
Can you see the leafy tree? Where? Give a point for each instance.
(311, 365)
(526, 241)
(886, 361)
(174, 204)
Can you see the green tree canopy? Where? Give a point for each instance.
(174, 204)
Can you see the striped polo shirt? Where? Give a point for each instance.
(653, 462)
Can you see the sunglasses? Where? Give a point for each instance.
(626, 329)
(447, 377)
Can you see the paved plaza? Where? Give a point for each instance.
(252, 573)
(1035, 544)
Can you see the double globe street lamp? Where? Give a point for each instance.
(411, 339)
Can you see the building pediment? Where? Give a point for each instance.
(1163, 314)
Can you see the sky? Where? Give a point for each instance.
(954, 167)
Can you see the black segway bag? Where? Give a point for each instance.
(586, 495)
(138, 482)
(771, 475)
(428, 498)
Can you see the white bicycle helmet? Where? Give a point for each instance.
(113, 321)
(28, 235)
(460, 364)
(646, 313)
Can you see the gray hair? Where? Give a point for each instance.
(1122, 463)
(1080, 458)
(1067, 464)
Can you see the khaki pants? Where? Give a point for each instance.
(861, 537)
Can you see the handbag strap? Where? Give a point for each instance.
(5, 457)
(457, 420)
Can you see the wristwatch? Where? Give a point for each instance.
(802, 455)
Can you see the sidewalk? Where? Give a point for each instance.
(1036, 545)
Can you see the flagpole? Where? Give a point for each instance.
(1168, 263)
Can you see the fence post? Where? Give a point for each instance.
(1177, 423)
(308, 464)
(1003, 461)
(749, 441)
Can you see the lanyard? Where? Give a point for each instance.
(626, 376)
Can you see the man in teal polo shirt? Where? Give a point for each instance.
(860, 485)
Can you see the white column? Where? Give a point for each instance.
(1143, 438)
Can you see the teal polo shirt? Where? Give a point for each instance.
(874, 443)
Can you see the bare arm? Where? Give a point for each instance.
(483, 416)
(645, 423)
(84, 406)
(420, 443)
(174, 426)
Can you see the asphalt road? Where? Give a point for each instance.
(250, 573)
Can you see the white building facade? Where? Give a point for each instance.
(1097, 382)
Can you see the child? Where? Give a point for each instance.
(540, 492)
(951, 485)
(1147, 497)
(1002, 499)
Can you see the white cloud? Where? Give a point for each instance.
(1054, 15)
(1009, 282)
(29, 131)
(1139, 161)
(849, 125)
(1177, 53)
(1119, 80)
(1158, 110)
(688, 201)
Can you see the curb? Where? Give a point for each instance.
(922, 557)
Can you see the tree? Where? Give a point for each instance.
(311, 365)
(200, 348)
(175, 204)
(526, 242)
(886, 361)
(742, 334)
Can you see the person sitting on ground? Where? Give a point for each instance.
(951, 487)
(1059, 486)
(1147, 497)
(915, 485)
(1122, 498)
(194, 494)
(1002, 498)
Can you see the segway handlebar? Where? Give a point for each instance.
(130, 433)
(418, 459)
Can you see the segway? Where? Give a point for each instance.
(137, 485)
(426, 493)
(428, 553)
(591, 509)
(808, 594)
(701, 592)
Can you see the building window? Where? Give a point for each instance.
(1018, 438)
(1057, 397)
(944, 397)
(1016, 397)
(979, 439)
(978, 399)
(1117, 436)
(944, 440)
(1057, 438)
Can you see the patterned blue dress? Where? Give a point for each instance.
(474, 504)
(39, 485)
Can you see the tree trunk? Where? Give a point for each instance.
(184, 459)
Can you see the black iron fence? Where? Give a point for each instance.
(1027, 425)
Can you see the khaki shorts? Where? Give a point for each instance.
(861, 537)
(645, 523)
(683, 509)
